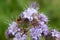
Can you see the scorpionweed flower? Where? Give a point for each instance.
(35, 33)
(37, 22)
(43, 27)
(20, 36)
(13, 28)
(43, 17)
(56, 34)
(28, 13)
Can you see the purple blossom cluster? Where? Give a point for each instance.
(41, 27)
(19, 36)
(12, 29)
(37, 26)
(55, 34)
(35, 33)
(36, 30)
(28, 13)
(14, 32)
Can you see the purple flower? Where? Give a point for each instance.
(28, 13)
(45, 29)
(35, 32)
(55, 33)
(24, 37)
(19, 36)
(13, 28)
(42, 17)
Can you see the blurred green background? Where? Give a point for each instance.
(10, 10)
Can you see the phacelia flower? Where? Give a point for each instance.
(13, 28)
(35, 33)
(28, 13)
(19, 36)
(45, 29)
(55, 33)
(43, 17)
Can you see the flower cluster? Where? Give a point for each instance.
(37, 26)
(12, 29)
(15, 32)
(41, 27)
(19, 36)
(55, 34)
(29, 13)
